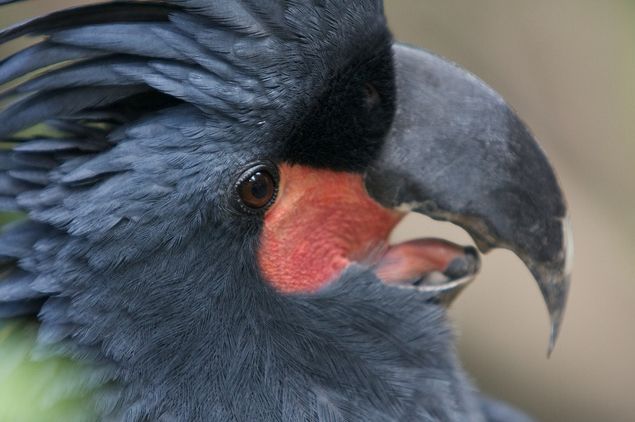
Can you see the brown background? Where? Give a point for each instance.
(568, 67)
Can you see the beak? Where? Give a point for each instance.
(457, 152)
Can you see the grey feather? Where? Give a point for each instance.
(17, 239)
(9, 204)
(123, 11)
(34, 160)
(19, 308)
(76, 128)
(94, 73)
(32, 110)
(123, 38)
(32, 176)
(6, 162)
(16, 287)
(228, 14)
(497, 411)
(56, 145)
(12, 187)
(40, 56)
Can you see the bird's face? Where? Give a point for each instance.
(419, 142)
(315, 214)
(308, 205)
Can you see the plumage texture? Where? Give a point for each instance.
(131, 256)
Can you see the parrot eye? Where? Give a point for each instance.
(371, 96)
(257, 188)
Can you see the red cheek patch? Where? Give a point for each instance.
(321, 222)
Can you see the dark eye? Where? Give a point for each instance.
(371, 96)
(257, 188)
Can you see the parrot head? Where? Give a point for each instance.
(210, 187)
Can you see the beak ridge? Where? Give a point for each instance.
(457, 152)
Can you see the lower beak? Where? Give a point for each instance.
(457, 152)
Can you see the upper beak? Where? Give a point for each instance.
(458, 152)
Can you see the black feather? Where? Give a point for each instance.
(6, 163)
(77, 128)
(97, 72)
(31, 176)
(16, 287)
(57, 145)
(121, 11)
(40, 56)
(17, 239)
(126, 38)
(11, 187)
(50, 104)
(231, 15)
(30, 160)
(9, 204)
(20, 308)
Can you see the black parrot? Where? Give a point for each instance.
(209, 186)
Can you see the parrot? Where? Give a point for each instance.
(203, 195)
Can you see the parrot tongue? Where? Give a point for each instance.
(433, 265)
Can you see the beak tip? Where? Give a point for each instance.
(556, 291)
(555, 294)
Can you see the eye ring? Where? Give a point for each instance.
(256, 189)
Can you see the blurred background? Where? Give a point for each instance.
(568, 68)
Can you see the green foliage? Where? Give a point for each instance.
(37, 390)
(9, 217)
